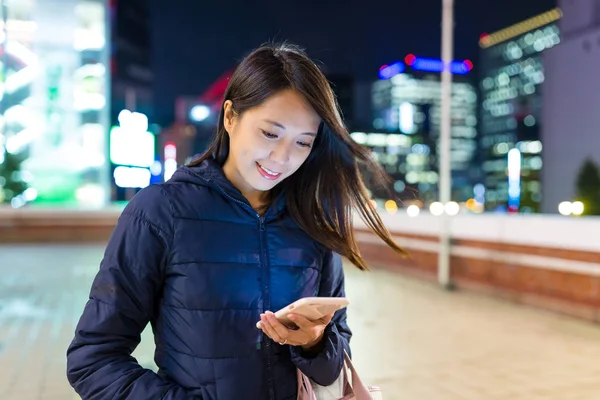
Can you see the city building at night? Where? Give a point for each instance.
(512, 71)
(406, 105)
(570, 117)
(55, 101)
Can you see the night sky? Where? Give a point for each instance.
(195, 41)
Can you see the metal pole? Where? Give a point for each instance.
(445, 179)
(4, 9)
(4, 72)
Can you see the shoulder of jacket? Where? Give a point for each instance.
(152, 205)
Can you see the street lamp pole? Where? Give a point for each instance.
(445, 178)
(4, 10)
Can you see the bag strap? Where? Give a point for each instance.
(358, 388)
(305, 390)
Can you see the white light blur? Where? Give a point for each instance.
(131, 148)
(359, 137)
(412, 177)
(91, 195)
(396, 140)
(21, 78)
(23, 53)
(407, 112)
(30, 194)
(17, 202)
(514, 176)
(436, 208)
(86, 40)
(170, 152)
(131, 143)
(514, 163)
(565, 208)
(123, 117)
(452, 208)
(199, 113)
(131, 177)
(89, 101)
(413, 210)
(535, 147)
(577, 208)
(19, 25)
(133, 121)
(170, 168)
(17, 113)
(17, 142)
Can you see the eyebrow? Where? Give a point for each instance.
(277, 124)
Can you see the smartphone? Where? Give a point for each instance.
(311, 308)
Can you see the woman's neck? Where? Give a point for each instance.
(259, 200)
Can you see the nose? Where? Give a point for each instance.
(280, 154)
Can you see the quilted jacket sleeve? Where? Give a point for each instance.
(122, 301)
(324, 366)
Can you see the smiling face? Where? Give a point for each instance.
(269, 142)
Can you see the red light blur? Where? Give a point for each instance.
(382, 67)
(468, 64)
(483, 35)
(410, 59)
(170, 151)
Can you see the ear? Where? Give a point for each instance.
(229, 116)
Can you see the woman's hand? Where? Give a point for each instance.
(308, 334)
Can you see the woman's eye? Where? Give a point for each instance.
(269, 135)
(305, 144)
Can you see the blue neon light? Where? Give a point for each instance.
(437, 65)
(459, 68)
(387, 71)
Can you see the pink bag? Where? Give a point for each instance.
(355, 391)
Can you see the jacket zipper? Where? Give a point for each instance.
(265, 279)
(267, 300)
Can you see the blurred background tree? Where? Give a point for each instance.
(588, 187)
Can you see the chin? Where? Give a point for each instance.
(265, 186)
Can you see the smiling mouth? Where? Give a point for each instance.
(267, 173)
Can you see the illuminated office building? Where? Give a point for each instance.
(512, 72)
(54, 99)
(406, 103)
(571, 97)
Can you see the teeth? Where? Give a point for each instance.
(269, 171)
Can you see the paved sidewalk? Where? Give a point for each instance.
(416, 341)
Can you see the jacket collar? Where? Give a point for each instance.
(211, 173)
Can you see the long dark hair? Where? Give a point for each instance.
(322, 194)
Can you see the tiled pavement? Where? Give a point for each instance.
(414, 340)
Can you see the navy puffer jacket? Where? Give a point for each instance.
(194, 259)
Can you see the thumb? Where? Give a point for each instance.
(327, 319)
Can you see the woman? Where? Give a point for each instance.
(253, 225)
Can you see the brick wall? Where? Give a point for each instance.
(42, 226)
